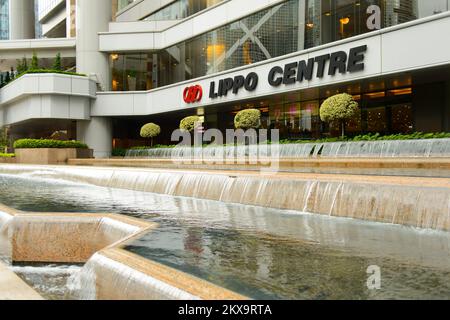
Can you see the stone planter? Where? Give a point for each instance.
(7, 160)
(51, 156)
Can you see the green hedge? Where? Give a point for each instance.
(7, 155)
(47, 143)
(50, 71)
(119, 152)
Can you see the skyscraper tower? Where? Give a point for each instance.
(4, 19)
(400, 11)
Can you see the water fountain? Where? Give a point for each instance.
(363, 149)
(417, 202)
(201, 247)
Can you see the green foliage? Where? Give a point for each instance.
(156, 146)
(189, 124)
(52, 71)
(248, 119)
(7, 155)
(413, 136)
(57, 65)
(150, 130)
(339, 107)
(47, 143)
(34, 62)
(3, 138)
(22, 66)
(119, 152)
(375, 137)
(8, 78)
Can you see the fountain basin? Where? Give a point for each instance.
(411, 201)
(13, 288)
(97, 240)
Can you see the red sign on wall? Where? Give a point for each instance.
(193, 94)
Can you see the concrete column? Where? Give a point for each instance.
(97, 134)
(301, 25)
(93, 17)
(21, 19)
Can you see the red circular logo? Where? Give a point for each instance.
(193, 94)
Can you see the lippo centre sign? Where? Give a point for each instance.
(341, 62)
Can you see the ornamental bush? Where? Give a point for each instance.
(48, 144)
(189, 124)
(338, 109)
(150, 131)
(248, 119)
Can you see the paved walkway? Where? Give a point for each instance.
(13, 288)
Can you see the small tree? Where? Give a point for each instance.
(189, 124)
(34, 62)
(24, 64)
(338, 109)
(7, 78)
(248, 119)
(19, 66)
(57, 65)
(3, 139)
(150, 131)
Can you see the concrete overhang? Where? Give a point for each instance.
(46, 96)
(44, 48)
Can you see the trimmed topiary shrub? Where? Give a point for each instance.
(189, 124)
(248, 119)
(150, 131)
(338, 109)
(48, 144)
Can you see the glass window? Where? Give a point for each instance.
(181, 9)
(402, 118)
(4, 19)
(132, 72)
(270, 33)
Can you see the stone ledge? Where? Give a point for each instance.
(14, 288)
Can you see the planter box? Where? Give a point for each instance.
(7, 160)
(51, 156)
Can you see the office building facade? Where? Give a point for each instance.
(282, 57)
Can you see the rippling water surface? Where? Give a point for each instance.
(258, 252)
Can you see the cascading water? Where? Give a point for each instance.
(5, 243)
(255, 251)
(118, 276)
(362, 149)
(416, 205)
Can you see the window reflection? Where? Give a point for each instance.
(282, 29)
(181, 9)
